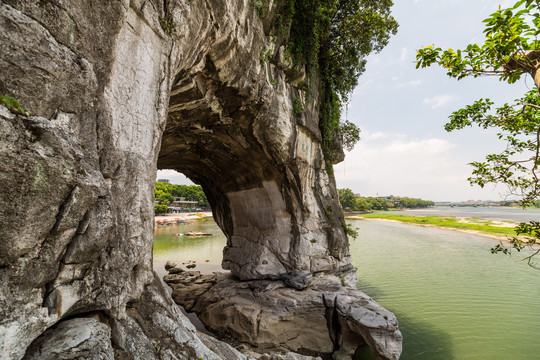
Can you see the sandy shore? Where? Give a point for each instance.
(465, 231)
(183, 216)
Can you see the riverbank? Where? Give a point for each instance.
(175, 218)
(497, 230)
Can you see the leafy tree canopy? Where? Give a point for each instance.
(350, 201)
(333, 38)
(160, 209)
(166, 192)
(511, 50)
(347, 198)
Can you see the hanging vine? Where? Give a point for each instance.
(332, 38)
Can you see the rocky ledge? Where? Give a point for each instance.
(325, 317)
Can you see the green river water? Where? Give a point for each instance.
(453, 299)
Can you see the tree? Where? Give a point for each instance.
(362, 204)
(166, 192)
(412, 203)
(165, 198)
(532, 230)
(377, 203)
(347, 199)
(511, 50)
(160, 209)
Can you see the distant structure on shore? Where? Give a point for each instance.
(180, 204)
(163, 180)
(478, 203)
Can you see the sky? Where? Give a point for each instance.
(401, 111)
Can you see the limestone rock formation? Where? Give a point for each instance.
(115, 91)
(85, 337)
(260, 165)
(326, 317)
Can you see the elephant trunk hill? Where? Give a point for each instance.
(114, 91)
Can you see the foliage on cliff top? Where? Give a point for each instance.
(332, 38)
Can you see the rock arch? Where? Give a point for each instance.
(112, 97)
(260, 165)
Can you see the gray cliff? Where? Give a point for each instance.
(111, 99)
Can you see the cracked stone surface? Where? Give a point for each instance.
(74, 339)
(113, 98)
(325, 317)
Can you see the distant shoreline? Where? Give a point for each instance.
(189, 216)
(498, 237)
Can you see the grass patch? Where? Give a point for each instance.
(483, 225)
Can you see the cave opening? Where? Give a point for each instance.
(261, 168)
(209, 137)
(175, 233)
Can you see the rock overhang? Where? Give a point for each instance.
(199, 101)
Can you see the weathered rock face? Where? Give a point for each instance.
(325, 317)
(111, 95)
(231, 128)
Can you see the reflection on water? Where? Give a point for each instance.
(180, 249)
(454, 299)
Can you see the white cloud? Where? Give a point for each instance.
(409, 83)
(377, 135)
(431, 146)
(374, 136)
(440, 100)
(385, 163)
(403, 55)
